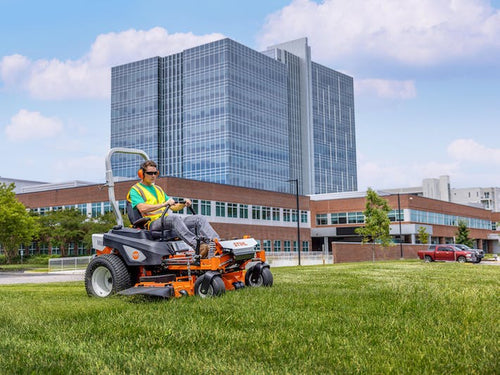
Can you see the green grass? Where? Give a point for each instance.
(388, 317)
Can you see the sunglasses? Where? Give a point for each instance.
(155, 173)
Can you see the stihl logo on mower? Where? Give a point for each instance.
(239, 243)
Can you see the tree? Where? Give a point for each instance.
(100, 224)
(423, 236)
(62, 228)
(377, 223)
(462, 235)
(17, 226)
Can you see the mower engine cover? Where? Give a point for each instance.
(242, 249)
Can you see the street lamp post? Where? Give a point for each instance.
(298, 214)
(399, 219)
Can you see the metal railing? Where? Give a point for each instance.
(275, 259)
(283, 259)
(68, 264)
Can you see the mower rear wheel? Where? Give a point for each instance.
(216, 287)
(106, 275)
(265, 278)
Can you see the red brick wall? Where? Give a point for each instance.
(355, 252)
(178, 187)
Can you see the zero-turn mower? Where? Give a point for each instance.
(133, 260)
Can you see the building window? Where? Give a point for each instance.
(232, 210)
(305, 246)
(286, 214)
(195, 205)
(220, 209)
(81, 248)
(303, 216)
(277, 245)
(287, 246)
(107, 207)
(394, 215)
(243, 211)
(355, 218)
(206, 209)
(96, 209)
(44, 248)
(276, 214)
(267, 245)
(321, 219)
(83, 209)
(256, 212)
(338, 218)
(266, 213)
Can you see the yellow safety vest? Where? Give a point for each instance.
(150, 199)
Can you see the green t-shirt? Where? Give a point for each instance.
(136, 198)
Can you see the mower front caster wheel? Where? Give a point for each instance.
(106, 275)
(216, 287)
(264, 279)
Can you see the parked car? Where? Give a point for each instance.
(447, 252)
(479, 252)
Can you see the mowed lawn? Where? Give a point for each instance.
(403, 317)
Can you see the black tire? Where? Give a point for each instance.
(265, 278)
(106, 275)
(427, 259)
(461, 259)
(216, 287)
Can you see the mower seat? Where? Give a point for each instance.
(135, 217)
(139, 222)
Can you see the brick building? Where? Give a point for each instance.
(271, 217)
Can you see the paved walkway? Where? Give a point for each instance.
(39, 277)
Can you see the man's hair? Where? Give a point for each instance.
(148, 163)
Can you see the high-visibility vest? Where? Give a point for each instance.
(150, 199)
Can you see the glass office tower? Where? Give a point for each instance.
(222, 112)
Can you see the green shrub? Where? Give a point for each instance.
(39, 259)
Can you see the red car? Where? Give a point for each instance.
(447, 252)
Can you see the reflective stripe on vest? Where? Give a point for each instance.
(150, 199)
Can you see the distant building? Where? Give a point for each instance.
(487, 198)
(225, 113)
(439, 188)
(20, 184)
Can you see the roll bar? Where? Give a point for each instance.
(110, 183)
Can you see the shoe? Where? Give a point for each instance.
(204, 248)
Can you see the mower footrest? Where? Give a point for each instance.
(158, 278)
(166, 291)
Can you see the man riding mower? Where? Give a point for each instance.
(136, 260)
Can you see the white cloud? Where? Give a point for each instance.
(468, 164)
(83, 168)
(384, 174)
(388, 89)
(89, 76)
(27, 125)
(413, 32)
(468, 150)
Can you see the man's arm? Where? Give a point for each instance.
(138, 202)
(145, 208)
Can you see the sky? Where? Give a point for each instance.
(426, 77)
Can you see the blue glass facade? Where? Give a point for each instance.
(333, 131)
(235, 120)
(134, 113)
(224, 113)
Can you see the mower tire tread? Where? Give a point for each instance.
(217, 287)
(106, 275)
(265, 278)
